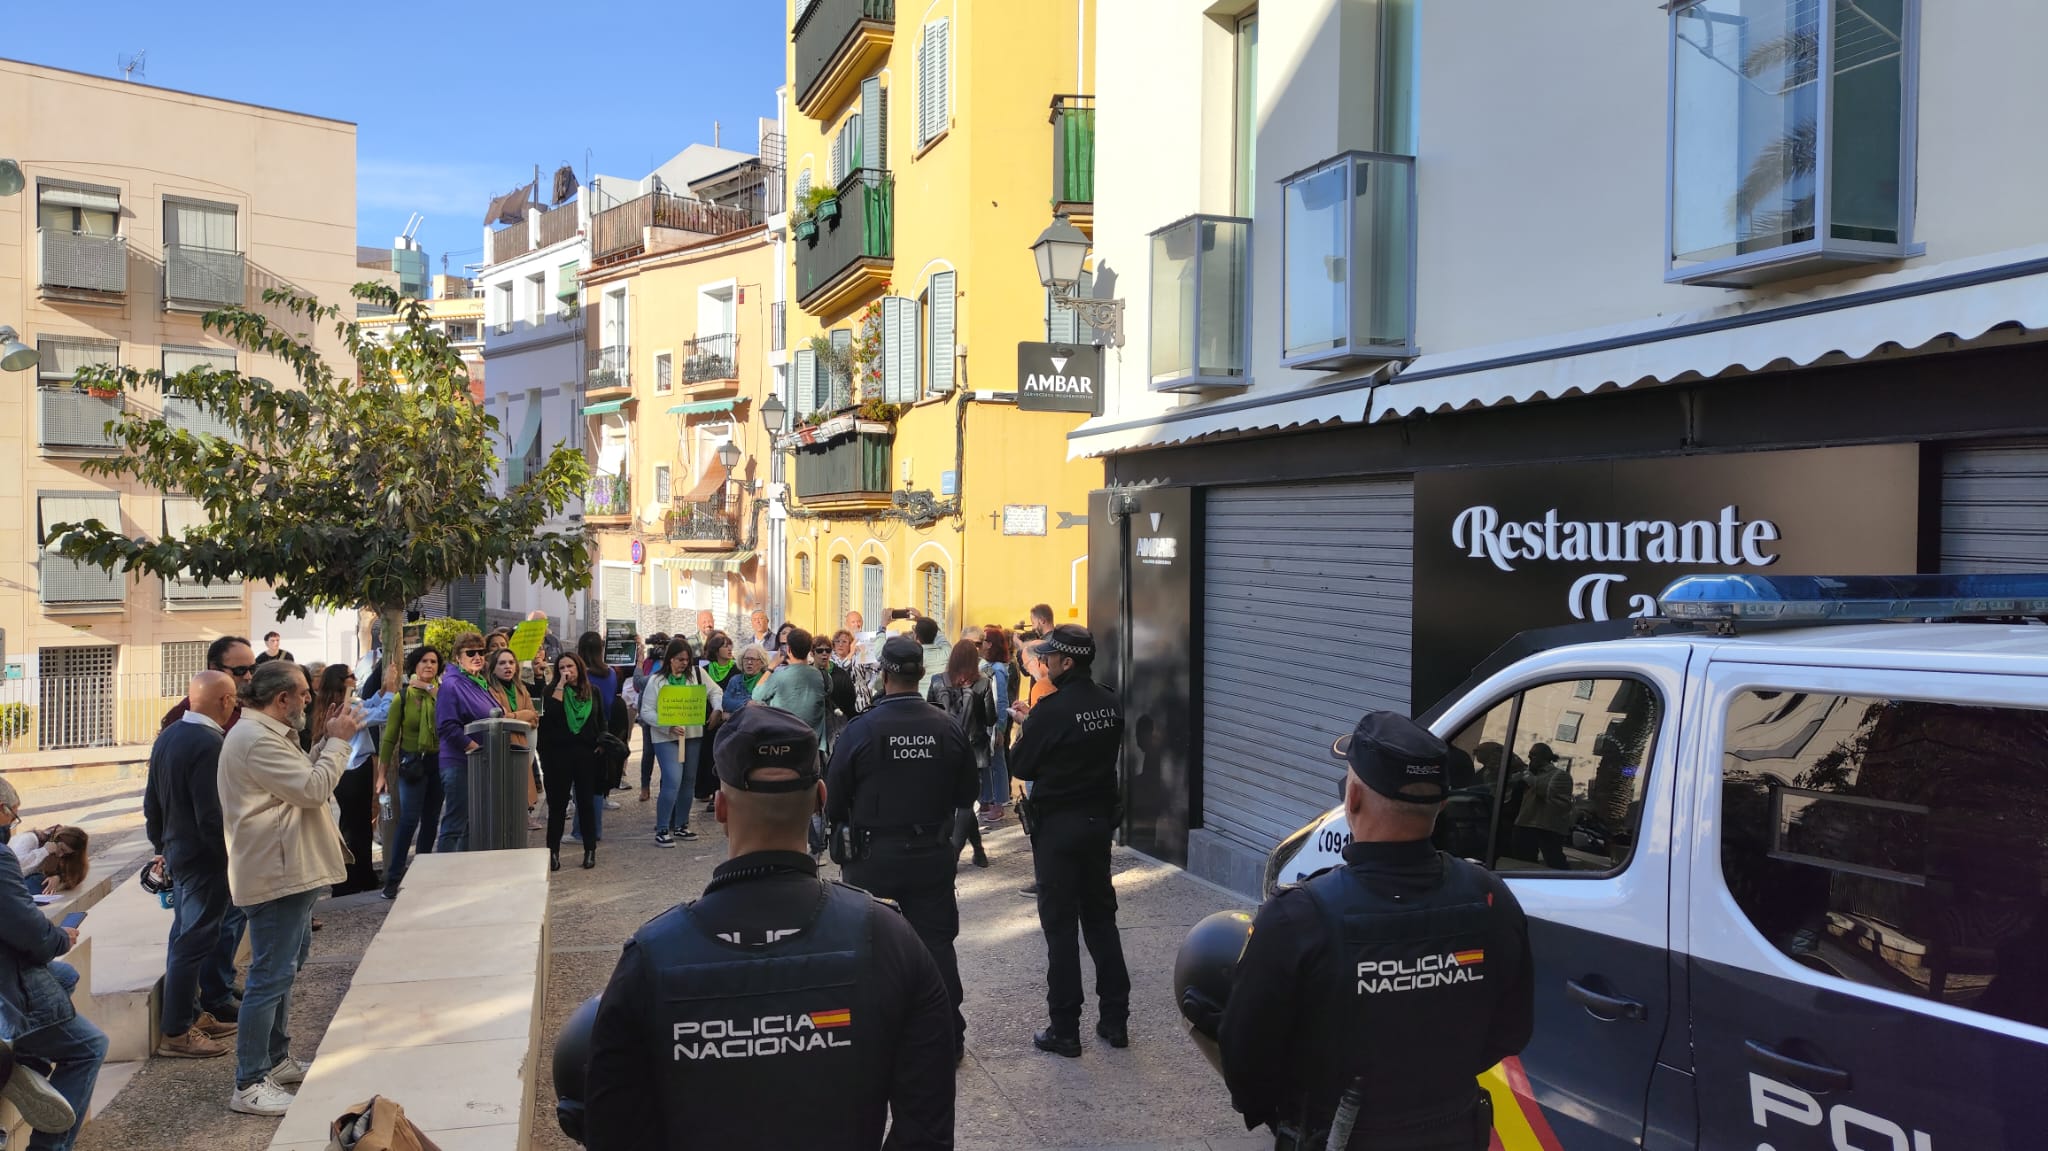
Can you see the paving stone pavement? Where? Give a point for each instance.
(1157, 1095)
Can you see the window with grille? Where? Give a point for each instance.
(934, 583)
(76, 691)
(872, 610)
(661, 484)
(803, 573)
(842, 574)
(664, 373)
(181, 661)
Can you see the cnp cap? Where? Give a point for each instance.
(1070, 640)
(1388, 751)
(764, 737)
(902, 655)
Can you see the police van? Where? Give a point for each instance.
(1785, 868)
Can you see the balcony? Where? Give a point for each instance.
(837, 43)
(608, 374)
(851, 472)
(189, 415)
(510, 242)
(75, 422)
(557, 225)
(1200, 275)
(634, 228)
(852, 250)
(1348, 262)
(191, 594)
(706, 522)
(607, 502)
(1073, 160)
(70, 583)
(711, 365)
(75, 262)
(202, 279)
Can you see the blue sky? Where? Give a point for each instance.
(453, 101)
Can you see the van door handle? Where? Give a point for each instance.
(1611, 1008)
(1798, 1072)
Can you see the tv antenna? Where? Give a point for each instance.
(133, 66)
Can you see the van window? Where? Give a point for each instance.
(1895, 843)
(1559, 777)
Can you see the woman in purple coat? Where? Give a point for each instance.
(465, 697)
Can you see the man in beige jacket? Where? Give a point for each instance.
(284, 849)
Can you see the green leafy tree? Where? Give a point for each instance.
(339, 492)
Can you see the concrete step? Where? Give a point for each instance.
(129, 929)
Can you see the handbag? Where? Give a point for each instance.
(378, 1125)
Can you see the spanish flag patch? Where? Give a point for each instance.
(839, 1017)
(1468, 958)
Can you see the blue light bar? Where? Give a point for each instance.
(1716, 598)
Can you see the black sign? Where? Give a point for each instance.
(621, 646)
(1059, 378)
(1502, 550)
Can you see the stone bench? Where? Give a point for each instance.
(443, 1015)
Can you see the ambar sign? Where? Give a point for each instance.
(1059, 378)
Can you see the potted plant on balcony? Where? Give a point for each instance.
(97, 381)
(822, 204)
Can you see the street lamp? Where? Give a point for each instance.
(15, 356)
(1061, 250)
(11, 180)
(729, 455)
(772, 414)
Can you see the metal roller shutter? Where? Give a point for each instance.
(1306, 624)
(1994, 508)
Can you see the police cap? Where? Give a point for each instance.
(901, 656)
(1070, 640)
(1389, 752)
(766, 737)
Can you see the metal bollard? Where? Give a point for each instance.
(497, 785)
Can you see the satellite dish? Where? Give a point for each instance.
(10, 178)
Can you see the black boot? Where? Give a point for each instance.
(1115, 1032)
(554, 859)
(589, 857)
(1058, 1042)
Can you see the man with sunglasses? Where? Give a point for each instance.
(232, 654)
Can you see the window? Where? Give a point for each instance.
(1063, 325)
(74, 420)
(1245, 113)
(1348, 246)
(661, 488)
(1199, 268)
(190, 415)
(183, 518)
(77, 703)
(872, 597)
(1792, 143)
(842, 578)
(664, 372)
(899, 350)
(1584, 690)
(932, 580)
(1893, 843)
(841, 373)
(78, 209)
(933, 62)
(873, 134)
(803, 571)
(939, 305)
(1568, 800)
(501, 307)
(505, 588)
(537, 297)
(69, 581)
(180, 661)
(805, 361)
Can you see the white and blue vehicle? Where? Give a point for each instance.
(1785, 863)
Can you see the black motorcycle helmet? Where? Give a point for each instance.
(572, 1061)
(1202, 972)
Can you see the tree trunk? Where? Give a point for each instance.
(391, 621)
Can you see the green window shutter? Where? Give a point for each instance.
(567, 282)
(942, 333)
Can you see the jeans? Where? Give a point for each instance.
(678, 760)
(454, 805)
(222, 976)
(1070, 857)
(280, 935)
(647, 756)
(995, 777)
(74, 1049)
(419, 811)
(192, 975)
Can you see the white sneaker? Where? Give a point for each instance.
(289, 1072)
(611, 805)
(261, 1098)
(40, 1104)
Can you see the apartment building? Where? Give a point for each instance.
(142, 210)
(1416, 363)
(929, 147)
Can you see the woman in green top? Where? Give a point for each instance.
(571, 719)
(410, 753)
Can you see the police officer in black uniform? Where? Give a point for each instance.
(778, 1010)
(900, 791)
(1067, 752)
(1376, 993)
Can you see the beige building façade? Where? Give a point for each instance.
(142, 209)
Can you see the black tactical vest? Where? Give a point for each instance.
(745, 1030)
(909, 763)
(1402, 998)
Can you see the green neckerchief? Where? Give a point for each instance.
(675, 680)
(720, 671)
(576, 709)
(480, 681)
(751, 680)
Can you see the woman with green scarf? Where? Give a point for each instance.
(569, 727)
(677, 748)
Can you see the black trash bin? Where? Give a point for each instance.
(498, 774)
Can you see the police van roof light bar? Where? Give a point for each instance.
(1827, 599)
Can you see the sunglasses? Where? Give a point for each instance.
(244, 669)
(472, 653)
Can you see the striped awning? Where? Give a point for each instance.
(701, 407)
(727, 561)
(606, 408)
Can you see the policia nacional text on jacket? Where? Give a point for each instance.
(778, 1010)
